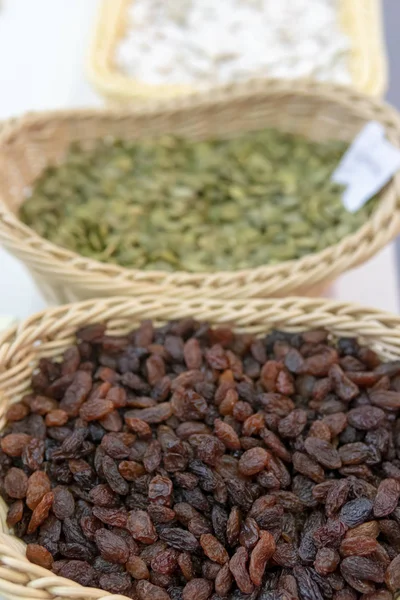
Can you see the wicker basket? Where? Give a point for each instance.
(361, 20)
(318, 111)
(50, 332)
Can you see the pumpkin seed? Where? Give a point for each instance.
(169, 203)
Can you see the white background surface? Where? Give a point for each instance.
(43, 50)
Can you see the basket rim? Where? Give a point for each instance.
(17, 575)
(362, 21)
(318, 266)
(295, 313)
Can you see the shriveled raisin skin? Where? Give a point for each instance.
(63, 503)
(115, 583)
(326, 561)
(262, 552)
(387, 497)
(77, 570)
(197, 589)
(358, 546)
(253, 461)
(141, 527)
(39, 556)
(16, 483)
(14, 443)
(392, 576)
(238, 568)
(323, 452)
(15, 513)
(213, 549)
(137, 568)
(112, 547)
(41, 512)
(356, 511)
(185, 462)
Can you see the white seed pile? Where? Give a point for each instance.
(213, 42)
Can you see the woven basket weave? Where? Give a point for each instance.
(361, 20)
(50, 332)
(318, 111)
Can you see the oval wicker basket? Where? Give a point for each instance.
(50, 332)
(318, 111)
(361, 20)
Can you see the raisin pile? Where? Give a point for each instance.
(187, 462)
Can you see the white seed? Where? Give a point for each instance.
(198, 42)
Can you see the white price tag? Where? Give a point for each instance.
(368, 165)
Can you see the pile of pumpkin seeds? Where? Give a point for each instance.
(172, 204)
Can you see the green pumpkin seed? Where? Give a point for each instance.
(169, 203)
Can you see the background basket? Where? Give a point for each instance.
(361, 21)
(50, 332)
(320, 112)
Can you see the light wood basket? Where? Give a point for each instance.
(361, 21)
(320, 112)
(50, 332)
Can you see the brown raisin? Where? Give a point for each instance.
(387, 497)
(326, 561)
(39, 556)
(14, 443)
(112, 547)
(197, 589)
(238, 568)
(63, 503)
(15, 513)
(140, 526)
(262, 552)
(16, 483)
(41, 512)
(213, 549)
(137, 568)
(253, 461)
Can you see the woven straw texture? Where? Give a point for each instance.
(360, 19)
(317, 111)
(50, 332)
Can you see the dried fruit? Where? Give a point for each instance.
(179, 539)
(258, 473)
(116, 583)
(41, 512)
(223, 581)
(262, 552)
(213, 549)
(360, 567)
(392, 577)
(238, 568)
(39, 556)
(140, 526)
(33, 454)
(112, 547)
(358, 545)
(326, 561)
(15, 513)
(387, 497)
(308, 467)
(14, 443)
(356, 511)
(197, 589)
(137, 568)
(253, 461)
(16, 483)
(227, 435)
(323, 452)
